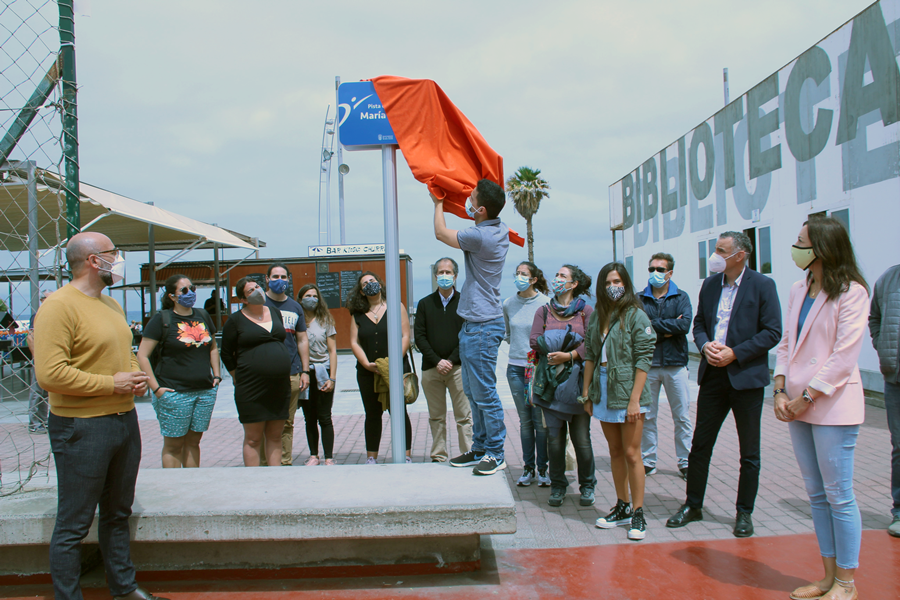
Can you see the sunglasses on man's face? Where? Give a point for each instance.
(657, 269)
(185, 290)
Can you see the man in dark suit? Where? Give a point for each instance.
(738, 321)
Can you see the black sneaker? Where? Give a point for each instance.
(684, 472)
(489, 465)
(638, 525)
(620, 514)
(468, 459)
(649, 470)
(556, 497)
(587, 497)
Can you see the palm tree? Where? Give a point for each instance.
(526, 189)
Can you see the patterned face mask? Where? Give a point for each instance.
(615, 292)
(371, 288)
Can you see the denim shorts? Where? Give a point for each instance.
(178, 412)
(603, 413)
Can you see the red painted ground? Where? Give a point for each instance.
(750, 569)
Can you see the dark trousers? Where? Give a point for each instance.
(579, 428)
(317, 413)
(374, 411)
(715, 399)
(97, 463)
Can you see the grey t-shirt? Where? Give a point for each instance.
(484, 247)
(318, 341)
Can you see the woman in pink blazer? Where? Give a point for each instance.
(819, 393)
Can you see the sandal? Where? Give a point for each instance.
(810, 591)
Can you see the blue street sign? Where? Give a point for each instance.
(361, 118)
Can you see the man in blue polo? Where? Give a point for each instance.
(484, 247)
(670, 314)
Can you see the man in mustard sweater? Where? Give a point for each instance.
(83, 359)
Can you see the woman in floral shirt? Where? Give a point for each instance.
(185, 377)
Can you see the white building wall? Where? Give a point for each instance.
(826, 139)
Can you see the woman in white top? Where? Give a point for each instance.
(518, 315)
(322, 373)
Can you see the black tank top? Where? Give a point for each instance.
(373, 339)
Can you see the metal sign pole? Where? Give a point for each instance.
(340, 159)
(392, 282)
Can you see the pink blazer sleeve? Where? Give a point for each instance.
(852, 327)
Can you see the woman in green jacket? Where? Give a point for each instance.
(618, 354)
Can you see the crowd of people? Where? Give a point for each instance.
(569, 362)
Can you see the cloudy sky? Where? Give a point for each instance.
(214, 108)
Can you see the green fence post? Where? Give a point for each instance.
(70, 115)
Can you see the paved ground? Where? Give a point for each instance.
(782, 507)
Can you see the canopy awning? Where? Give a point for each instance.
(122, 219)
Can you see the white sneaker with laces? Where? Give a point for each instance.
(526, 478)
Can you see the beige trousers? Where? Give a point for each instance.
(287, 434)
(435, 386)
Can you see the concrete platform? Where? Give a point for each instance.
(248, 518)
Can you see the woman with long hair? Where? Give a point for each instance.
(567, 308)
(322, 373)
(819, 393)
(518, 314)
(254, 353)
(185, 378)
(620, 343)
(367, 303)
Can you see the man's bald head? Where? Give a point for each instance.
(83, 245)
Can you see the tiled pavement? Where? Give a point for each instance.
(782, 507)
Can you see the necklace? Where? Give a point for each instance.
(374, 310)
(255, 318)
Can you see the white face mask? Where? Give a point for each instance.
(116, 270)
(717, 262)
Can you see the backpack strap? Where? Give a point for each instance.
(546, 308)
(166, 316)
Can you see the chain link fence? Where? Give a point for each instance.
(33, 224)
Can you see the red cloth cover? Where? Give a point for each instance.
(441, 146)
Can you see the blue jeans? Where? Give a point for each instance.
(531, 425)
(479, 344)
(97, 463)
(675, 382)
(825, 456)
(892, 407)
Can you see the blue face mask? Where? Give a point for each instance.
(522, 282)
(187, 300)
(657, 279)
(471, 210)
(445, 282)
(278, 286)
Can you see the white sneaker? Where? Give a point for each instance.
(542, 478)
(526, 478)
(371, 461)
(312, 461)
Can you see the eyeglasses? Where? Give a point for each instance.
(110, 251)
(657, 269)
(185, 290)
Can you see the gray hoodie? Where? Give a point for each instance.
(518, 315)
